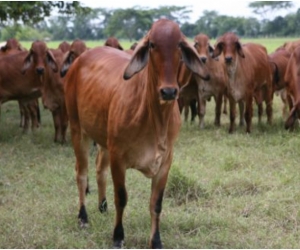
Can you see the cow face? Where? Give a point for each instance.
(161, 50)
(76, 49)
(39, 56)
(230, 46)
(204, 49)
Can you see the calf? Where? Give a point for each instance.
(127, 104)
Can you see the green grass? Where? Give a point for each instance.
(270, 44)
(224, 191)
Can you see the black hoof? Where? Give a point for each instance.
(118, 244)
(82, 218)
(103, 206)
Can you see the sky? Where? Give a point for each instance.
(223, 7)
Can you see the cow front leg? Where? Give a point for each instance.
(232, 114)
(249, 113)
(118, 176)
(157, 191)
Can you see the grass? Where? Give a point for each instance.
(223, 191)
(270, 44)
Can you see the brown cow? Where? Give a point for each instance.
(53, 98)
(248, 71)
(64, 46)
(279, 61)
(113, 42)
(77, 48)
(29, 109)
(21, 73)
(292, 79)
(127, 104)
(216, 85)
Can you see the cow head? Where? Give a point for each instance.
(114, 43)
(162, 50)
(203, 47)
(39, 56)
(76, 49)
(230, 46)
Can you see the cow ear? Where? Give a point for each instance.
(3, 48)
(138, 60)
(218, 49)
(69, 59)
(240, 49)
(27, 62)
(210, 50)
(51, 61)
(192, 61)
(120, 47)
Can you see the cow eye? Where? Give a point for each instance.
(151, 45)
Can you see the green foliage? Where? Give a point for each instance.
(35, 11)
(261, 7)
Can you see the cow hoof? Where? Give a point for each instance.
(82, 224)
(103, 206)
(118, 244)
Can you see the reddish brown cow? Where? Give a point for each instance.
(127, 104)
(76, 49)
(64, 46)
(292, 79)
(29, 109)
(114, 43)
(17, 86)
(279, 61)
(248, 71)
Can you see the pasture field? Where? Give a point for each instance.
(270, 44)
(224, 191)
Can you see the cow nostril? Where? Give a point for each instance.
(40, 71)
(228, 59)
(168, 93)
(203, 59)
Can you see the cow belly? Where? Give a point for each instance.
(148, 159)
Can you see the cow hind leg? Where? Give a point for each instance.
(81, 149)
(102, 165)
(249, 113)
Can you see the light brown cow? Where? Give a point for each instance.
(127, 104)
(292, 80)
(248, 71)
(54, 100)
(77, 48)
(290, 46)
(216, 86)
(113, 42)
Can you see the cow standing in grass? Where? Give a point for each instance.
(127, 105)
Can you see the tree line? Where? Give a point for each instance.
(36, 20)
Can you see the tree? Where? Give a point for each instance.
(35, 11)
(263, 7)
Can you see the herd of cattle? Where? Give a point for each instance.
(129, 101)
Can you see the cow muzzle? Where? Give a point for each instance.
(168, 94)
(40, 71)
(228, 59)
